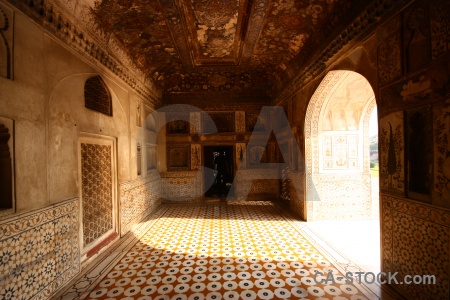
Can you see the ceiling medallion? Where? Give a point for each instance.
(217, 80)
(215, 13)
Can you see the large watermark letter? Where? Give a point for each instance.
(258, 141)
(180, 115)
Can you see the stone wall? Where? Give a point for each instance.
(181, 186)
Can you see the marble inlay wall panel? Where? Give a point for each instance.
(332, 200)
(138, 198)
(196, 156)
(182, 186)
(416, 241)
(39, 251)
(96, 177)
(340, 152)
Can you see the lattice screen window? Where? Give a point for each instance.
(97, 96)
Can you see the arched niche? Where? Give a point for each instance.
(97, 96)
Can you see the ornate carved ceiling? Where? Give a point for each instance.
(245, 47)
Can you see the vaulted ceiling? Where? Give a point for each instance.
(244, 47)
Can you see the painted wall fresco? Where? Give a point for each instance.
(419, 156)
(178, 157)
(196, 156)
(389, 54)
(391, 147)
(442, 155)
(416, 36)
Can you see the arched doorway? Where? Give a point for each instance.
(339, 183)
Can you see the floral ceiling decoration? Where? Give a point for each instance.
(242, 46)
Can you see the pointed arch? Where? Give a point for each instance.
(337, 146)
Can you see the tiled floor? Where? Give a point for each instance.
(241, 250)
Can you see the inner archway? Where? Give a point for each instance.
(337, 148)
(338, 175)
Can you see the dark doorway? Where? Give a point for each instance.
(220, 159)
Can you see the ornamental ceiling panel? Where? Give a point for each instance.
(245, 47)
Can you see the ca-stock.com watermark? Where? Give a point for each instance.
(370, 278)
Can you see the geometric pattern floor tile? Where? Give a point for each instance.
(222, 252)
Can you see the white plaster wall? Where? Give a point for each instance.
(46, 101)
(23, 100)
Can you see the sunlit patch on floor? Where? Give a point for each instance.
(222, 252)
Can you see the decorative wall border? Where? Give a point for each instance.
(138, 198)
(40, 250)
(415, 239)
(182, 186)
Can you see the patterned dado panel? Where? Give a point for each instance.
(181, 186)
(96, 177)
(39, 251)
(138, 198)
(416, 241)
(255, 184)
(333, 197)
